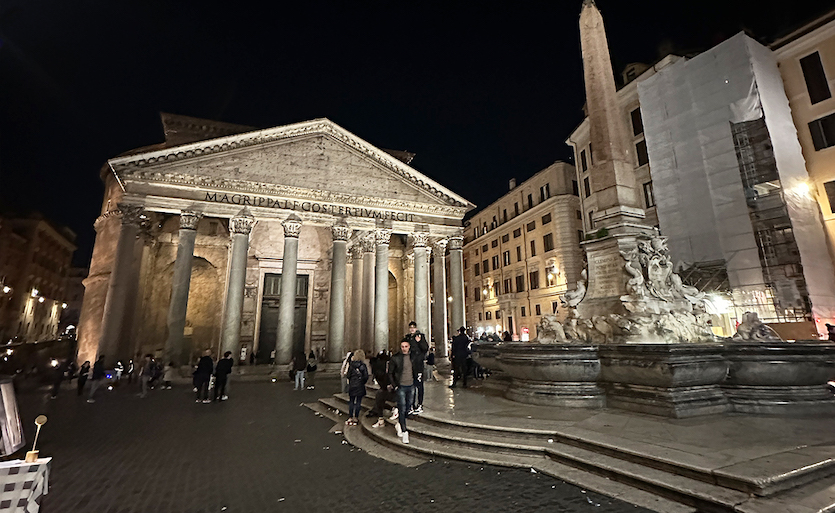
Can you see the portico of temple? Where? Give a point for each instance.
(200, 239)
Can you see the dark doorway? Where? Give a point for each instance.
(268, 330)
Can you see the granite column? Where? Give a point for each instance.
(356, 298)
(421, 281)
(439, 320)
(287, 301)
(240, 227)
(180, 283)
(336, 317)
(456, 281)
(117, 289)
(367, 332)
(381, 295)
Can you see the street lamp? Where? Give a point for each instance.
(6, 289)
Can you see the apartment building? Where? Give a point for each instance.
(35, 256)
(806, 59)
(522, 252)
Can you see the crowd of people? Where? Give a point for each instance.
(146, 373)
(401, 377)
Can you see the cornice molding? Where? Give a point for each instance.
(132, 163)
(286, 191)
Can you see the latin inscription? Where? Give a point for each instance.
(606, 275)
(307, 206)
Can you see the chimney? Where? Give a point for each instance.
(511, 184)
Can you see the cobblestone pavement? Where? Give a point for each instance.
(260, 451)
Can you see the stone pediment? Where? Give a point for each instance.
(315, 156)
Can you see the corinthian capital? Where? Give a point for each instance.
(420, 239)
(368, 243)
(356, 251)
(340, 230)
(456, 242)
(189, 219)
(439, 247)
(382, 236)
(242, 222)
(292, 226)
(131, 214)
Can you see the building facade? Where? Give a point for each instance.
(725, 183)
(35, 257)
(806, 59)
(522, 252)
(201, 238)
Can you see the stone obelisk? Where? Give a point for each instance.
(619, 218)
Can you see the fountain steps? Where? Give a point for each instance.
(594, 463)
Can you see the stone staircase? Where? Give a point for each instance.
(656, 483)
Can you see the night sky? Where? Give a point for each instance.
(481, 91)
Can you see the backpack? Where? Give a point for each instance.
(311, 365)
(356, 380)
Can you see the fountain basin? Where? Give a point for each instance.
(672, 380)
(552, 374)
(780, 378)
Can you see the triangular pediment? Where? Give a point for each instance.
(312, 156)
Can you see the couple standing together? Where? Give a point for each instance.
(405, 376)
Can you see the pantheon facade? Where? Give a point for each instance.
(294, 238)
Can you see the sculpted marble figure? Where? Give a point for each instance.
(752, 329)
(659, 306)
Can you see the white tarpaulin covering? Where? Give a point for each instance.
(692, 111)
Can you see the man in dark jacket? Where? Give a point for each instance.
(222, 371)
(460, 353)
(418, 343)
(401, 377)
(299, 366)
(203, 375)
(97, 378)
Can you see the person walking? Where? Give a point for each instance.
(311, 371)
(96, 379)
(402, 381)
(222, 371)
(60, 370)
(357, 378)
(419, 345)
(460, 353)
(83, 374)
(146, 374)
(203, 375)
(299, 366)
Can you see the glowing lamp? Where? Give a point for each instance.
(40, 299)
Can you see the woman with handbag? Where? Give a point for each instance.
(357, 378)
